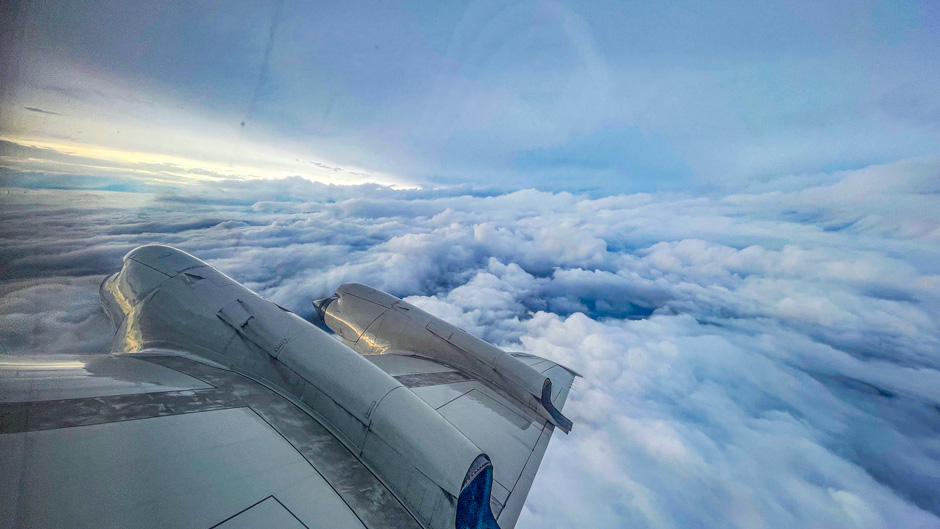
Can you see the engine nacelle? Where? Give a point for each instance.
(374, 322)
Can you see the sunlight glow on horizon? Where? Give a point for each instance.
(188, 170)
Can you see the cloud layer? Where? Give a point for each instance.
(765, 359)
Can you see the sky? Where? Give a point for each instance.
(725, 216)
(595, 96)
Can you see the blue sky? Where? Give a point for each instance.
(609, 96)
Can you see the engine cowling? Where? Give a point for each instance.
(374, 322)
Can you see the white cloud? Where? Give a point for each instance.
(757, 360)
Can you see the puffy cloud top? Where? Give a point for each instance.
(764, 359)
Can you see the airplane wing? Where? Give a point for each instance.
(161, 440)
(217, 408)
(508, 404)
(514, 438)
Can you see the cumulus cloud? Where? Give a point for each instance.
(764, 359)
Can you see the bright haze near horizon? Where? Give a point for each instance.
(725, 215)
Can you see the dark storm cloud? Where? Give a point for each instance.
(745, 364)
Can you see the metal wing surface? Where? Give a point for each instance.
(217, 408)
(513, 437)
(157, 439)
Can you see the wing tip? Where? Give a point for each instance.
(563, 423)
